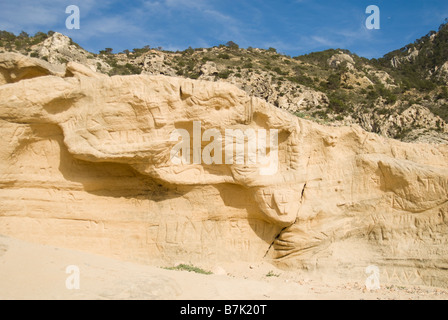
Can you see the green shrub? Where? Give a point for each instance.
(321, 114)
(193, 75)
(441, 111)
(387, 94)
(232, 45)
(133, 69)
(279, 71)
(224, 74)
(127, 69)
(7, 36)
(189, 268)
(223, 56)
(334, 81)
(272, 274)
(300, 114)
(336, 104)
(372, 95)
(443, 93)
(382, 111)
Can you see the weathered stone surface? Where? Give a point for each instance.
(442, 72)
(339, 58)
(413, 121)
(412, 55)
(59, 49)
(153, 63)
(15, 67)
(85, 163)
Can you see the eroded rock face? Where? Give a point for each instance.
(87, 163)
(15, 67)
(442, 72)
(339, 58)
(59, 49)
(412, 55)
(414, 120)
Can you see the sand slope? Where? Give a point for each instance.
(30, 271)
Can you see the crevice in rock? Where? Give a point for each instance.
(273, 241)
(281, 231)
(303, 192)
(301, 201)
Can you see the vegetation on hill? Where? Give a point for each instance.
(369, 92)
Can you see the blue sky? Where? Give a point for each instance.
(293, 27)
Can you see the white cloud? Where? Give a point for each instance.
(24, 15)
(43, 15)
(322, 41)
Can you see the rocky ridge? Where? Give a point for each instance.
(333, 87)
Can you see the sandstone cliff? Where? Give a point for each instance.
(334, 86)
(85, 164)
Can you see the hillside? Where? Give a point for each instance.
(402, 95)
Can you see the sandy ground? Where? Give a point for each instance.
(30, 271)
